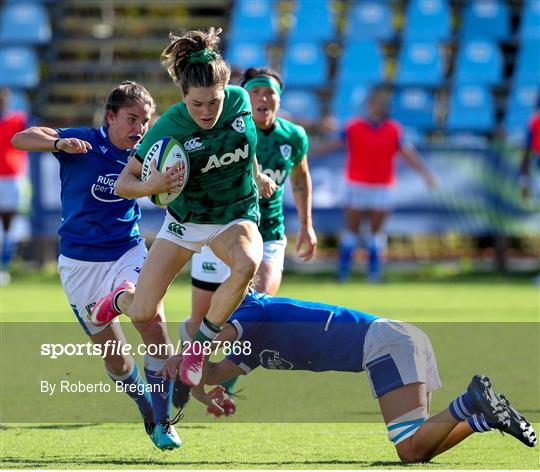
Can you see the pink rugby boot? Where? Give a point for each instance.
(104, 311)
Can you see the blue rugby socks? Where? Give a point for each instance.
(135, 387)
(376, 244)
(161, 392)
(347, 246)
(479, 424)
(462, 407)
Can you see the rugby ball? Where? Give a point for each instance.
(166, 152)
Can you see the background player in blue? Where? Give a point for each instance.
(289, 334)
(100, 244)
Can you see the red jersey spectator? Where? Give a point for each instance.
(532, 147)
(12, 170)
(373, 144)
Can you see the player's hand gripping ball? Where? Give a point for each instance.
(166, 153)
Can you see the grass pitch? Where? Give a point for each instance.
(221, 444)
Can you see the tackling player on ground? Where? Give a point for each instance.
(100, 243)
(218, 206)
(290, 334)
(281, 151)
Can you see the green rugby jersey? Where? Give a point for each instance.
(221, 185)
(278, 151)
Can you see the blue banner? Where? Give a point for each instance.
(476, 194)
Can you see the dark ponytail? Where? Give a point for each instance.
(193, 60)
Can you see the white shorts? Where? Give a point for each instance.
(368, 197)
(398, 354)
(208, 268)
(193, 236)
(86, 282)
(10, 194)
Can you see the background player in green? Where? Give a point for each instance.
(281, 151)
(219, 204)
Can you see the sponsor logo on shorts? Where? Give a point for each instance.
(193, 145)
(176, 228)
(272, 360)
(228, 158)
(209, 266)
(286, 151)
(239, 125)
(103, 189)
(88, 311)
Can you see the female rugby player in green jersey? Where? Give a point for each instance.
(219, 204)
(281, 151)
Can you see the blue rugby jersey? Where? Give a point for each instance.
(289, 334)
(97, 225)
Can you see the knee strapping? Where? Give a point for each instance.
(406, 425)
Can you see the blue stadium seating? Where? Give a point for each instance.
(479, 62)
(313, 21)
(471, 109)
(413, 107)
(486, 19)
(301, 104)
(527, 70)
(19, 102)
(24, 23)
(420, 63)
(521, 104)
(361, 61)
(349, 101)
(369, 19)
(530, 20)
(305, 64)
(427, 20)
(253, 20)
(245, 54)
(19, 67)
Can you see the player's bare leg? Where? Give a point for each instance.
(241, 248)
(268, 278)
(423, 443)
(162, 265)
(478, 409)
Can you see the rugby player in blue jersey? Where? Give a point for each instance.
(398, 358)
(101, 248)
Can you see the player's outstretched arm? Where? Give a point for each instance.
(306, 240)
(129, 183)
(413, 159)
(43, 139)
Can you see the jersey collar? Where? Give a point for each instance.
(105, 135)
